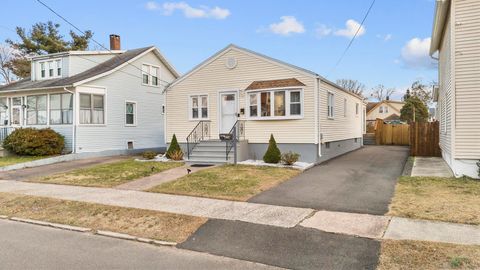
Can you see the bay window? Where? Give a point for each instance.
(199, 107)
(37, 110)
(61, 109)
(275, 104)
(92, 109)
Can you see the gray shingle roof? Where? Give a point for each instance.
(27, 84)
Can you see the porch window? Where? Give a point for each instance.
(3, 112)
(130, 113)
(330, 105)
(37, 110)
(61, 109)
(92, 109)
(275, 104)
(199, 107)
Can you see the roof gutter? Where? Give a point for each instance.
(33, 89)
(440, 18)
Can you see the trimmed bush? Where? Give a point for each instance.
(290, 158)
(273, 154)
(34, 142)
(176, 155)
(149, 155)
(174, 147)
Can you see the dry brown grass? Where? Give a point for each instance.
(399, 255)
(137, 222)
(230, 182)
(433, 198)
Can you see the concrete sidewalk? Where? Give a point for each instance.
(431, 166)
(362, 225)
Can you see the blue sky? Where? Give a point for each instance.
(391, 48)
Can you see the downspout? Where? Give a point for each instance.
(74, 121)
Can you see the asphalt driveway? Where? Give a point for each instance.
(362, 181)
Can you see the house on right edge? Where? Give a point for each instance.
(456, 38)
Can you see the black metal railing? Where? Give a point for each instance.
(199, 133)
(4, 132)
(236, 134)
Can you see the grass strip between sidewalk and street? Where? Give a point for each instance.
(110, 174)
(10, 160)
(229, 182)
(427, 256)
(136, 222)
(434, 198)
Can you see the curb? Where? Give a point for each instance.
(110, 234)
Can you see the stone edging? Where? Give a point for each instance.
(89, 230)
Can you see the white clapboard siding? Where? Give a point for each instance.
(446, 91)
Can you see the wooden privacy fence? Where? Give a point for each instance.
(425, 139)
(391, 134)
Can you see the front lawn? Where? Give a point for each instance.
(427, 255)
(137, 222)
(109, 175)
(231, 182)
(5, 161)
(434, 198)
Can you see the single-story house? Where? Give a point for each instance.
(456, 43)
(259, 96)
(98, 100)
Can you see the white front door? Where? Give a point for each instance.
(228, 111)
(17, 110)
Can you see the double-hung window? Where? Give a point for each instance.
(380, 109)
(357, 108)
(275, 104)
(199, 107)
(130, 113)
(385, 109)
(330, 105)
(37, 110)
(42, 70)
(61, 109)
(50, 69)
(92, 109)
(3, 112)
(150, 75)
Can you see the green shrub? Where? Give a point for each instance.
(174, 147)
(273, 154)
(149, 155)
(290, 158)
(34, 142)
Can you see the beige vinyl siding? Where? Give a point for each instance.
(445, 91)
(339, 127)
(393, 108)
(215, 77)
(467, 79)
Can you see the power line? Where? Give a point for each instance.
(353, 38)
(83, 32)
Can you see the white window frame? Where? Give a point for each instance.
(47, 109)
(380, 109)
(135, 112)
(357, 109)
(91, 108)
(190, 107)
(150, 67)
(55, 64)
(61, 110)
(330, 105)
(385, 109)
(287, 116)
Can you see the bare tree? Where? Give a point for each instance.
(6, 55)
(353, 86)
(380, 92)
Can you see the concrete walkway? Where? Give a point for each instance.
(160, 178)
(363, 225)
(431, 166)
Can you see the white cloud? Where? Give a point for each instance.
(287, 26)
(415, 54)
(351, 27)
(322, 30)
(188, 11)
(385, 38)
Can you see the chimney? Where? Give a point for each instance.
(114, 42)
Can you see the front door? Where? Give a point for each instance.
(16, 111)
(228, 111)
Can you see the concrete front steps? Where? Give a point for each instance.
(210, 152)
(369, 139)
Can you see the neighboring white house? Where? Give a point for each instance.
(260, 95)
(98, 100)
(456, 38)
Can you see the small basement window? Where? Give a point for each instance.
(327, 145)
(129, 145)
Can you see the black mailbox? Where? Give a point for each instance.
(225, 136)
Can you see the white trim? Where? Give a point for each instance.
(190, 118)
(98, 91)
(37, 67)
(272, 91)
(149, 84)
(135, 110)
(25, 110)
(332, 116)
(219, 105)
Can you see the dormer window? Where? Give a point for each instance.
(50, 69)
(150, 75)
